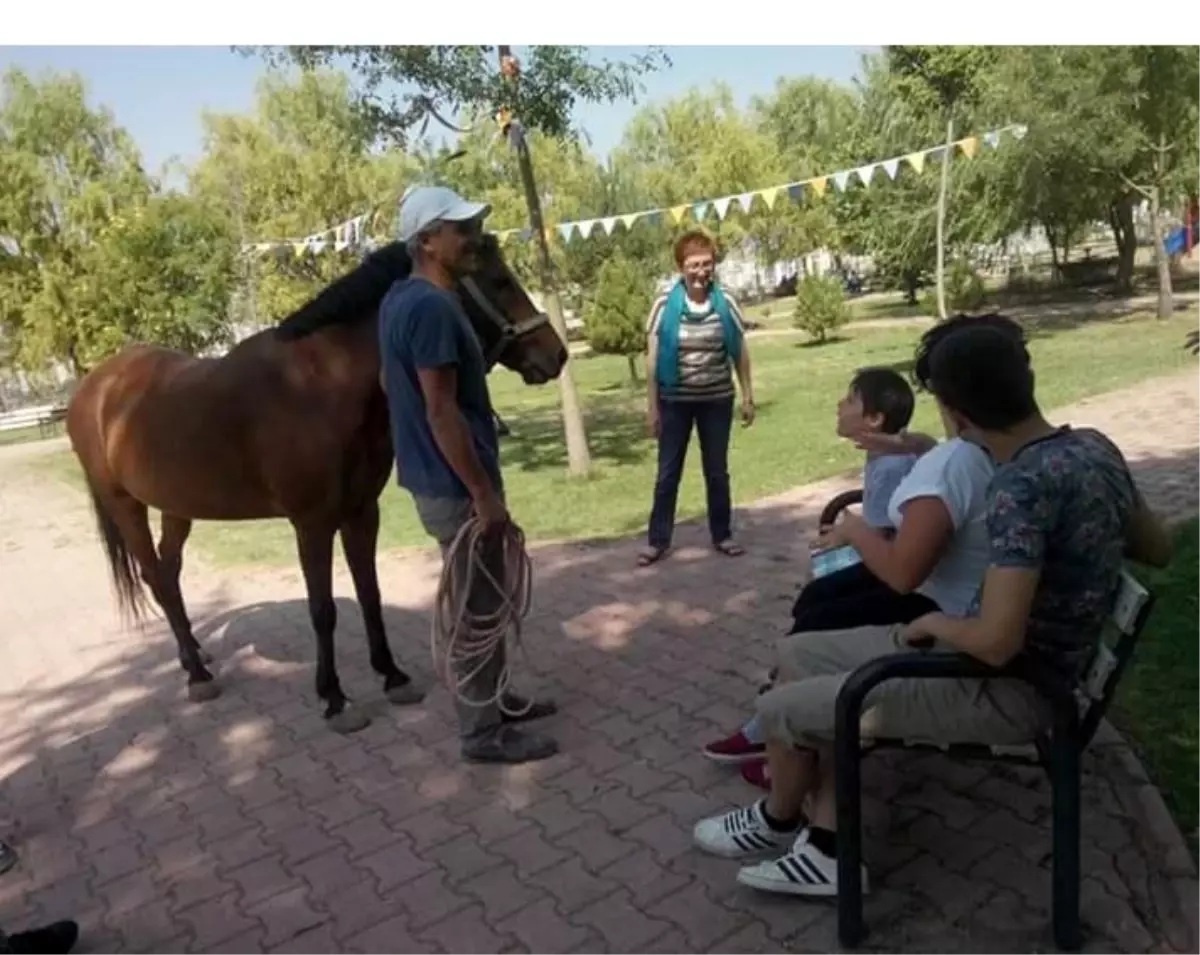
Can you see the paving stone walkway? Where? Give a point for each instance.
(244, 825)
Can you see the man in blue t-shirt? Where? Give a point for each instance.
(444, 435)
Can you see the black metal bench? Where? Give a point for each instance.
(1077, 712)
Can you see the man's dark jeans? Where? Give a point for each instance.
(713, 420)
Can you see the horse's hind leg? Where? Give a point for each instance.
(132, 520)
(175, 532)
(360, 534)
(314, 539)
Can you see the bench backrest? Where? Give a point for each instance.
(1117, 642)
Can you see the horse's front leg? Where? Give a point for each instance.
(314, 539)
(360, 534)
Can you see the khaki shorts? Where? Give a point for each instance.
(813, 666)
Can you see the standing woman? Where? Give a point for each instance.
(696, 341)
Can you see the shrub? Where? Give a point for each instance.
(820, 306)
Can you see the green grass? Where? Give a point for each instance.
(1156, 704)
(791, 443)
(24, 435)
(777, 313)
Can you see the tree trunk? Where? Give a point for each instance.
(633, 365)
(1166, 305)
(1121, 219)
(1056, 266)
(941, 218)
(579, 461)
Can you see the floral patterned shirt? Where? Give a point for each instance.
(1061, 506)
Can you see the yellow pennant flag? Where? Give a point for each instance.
(769, 196)
(969, 146)
(818, 184)
(916, 160)
(678, 212)
(628, 220)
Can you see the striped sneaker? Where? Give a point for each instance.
(740, 834)
(805, 870)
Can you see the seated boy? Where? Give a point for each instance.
(878, 401)
(1062, 512)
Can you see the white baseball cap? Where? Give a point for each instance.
(422, 206)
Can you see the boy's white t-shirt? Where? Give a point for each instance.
(959, 473)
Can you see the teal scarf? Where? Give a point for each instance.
(675, 311)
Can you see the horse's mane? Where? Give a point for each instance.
(350, 298)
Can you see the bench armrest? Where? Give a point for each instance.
(839, 504)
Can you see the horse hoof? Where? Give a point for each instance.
(348, 721)
(203, 691)
(404, 695)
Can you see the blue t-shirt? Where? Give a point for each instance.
(882, 474)
(1061, 505)
(423, 326)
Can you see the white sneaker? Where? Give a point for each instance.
(740, 834)
(805, 870)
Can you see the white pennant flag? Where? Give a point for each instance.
(586, 226)
(992, 139)
(891, 167)
(608, 224)
(1020, 131)
(866, 172)
(722, 205)
(746, 201)
(842, 179)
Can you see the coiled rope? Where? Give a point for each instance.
(461, 641)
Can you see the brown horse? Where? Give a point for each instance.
(292, 423)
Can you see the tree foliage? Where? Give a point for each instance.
(99, 256)
(402, 87)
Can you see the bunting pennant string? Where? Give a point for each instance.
(352, 234)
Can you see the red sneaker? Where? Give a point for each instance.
(734, 749)
(755, 773)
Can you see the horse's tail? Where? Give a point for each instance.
(131, 592)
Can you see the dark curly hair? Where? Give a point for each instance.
(979, 367)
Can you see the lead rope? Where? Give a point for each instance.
(459, 637)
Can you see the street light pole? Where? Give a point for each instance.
(579, 461)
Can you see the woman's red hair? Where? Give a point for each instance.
(692, 241)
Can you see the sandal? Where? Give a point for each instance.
(651, 555)
(729, 548)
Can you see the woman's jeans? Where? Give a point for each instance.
(713, 419)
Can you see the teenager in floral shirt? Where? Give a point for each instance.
(1063, 513)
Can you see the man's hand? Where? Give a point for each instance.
(490, 509)
(653, 422)
(747, 412)
(919, 633)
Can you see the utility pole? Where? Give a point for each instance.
(579, 461)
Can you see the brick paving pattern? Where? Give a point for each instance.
(244, 825)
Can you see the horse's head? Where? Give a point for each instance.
(511, 329)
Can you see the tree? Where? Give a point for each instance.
(615, 317)
(945, 79)
(98, 256)
(301, 162)
(453, 79)
(1108, 127)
